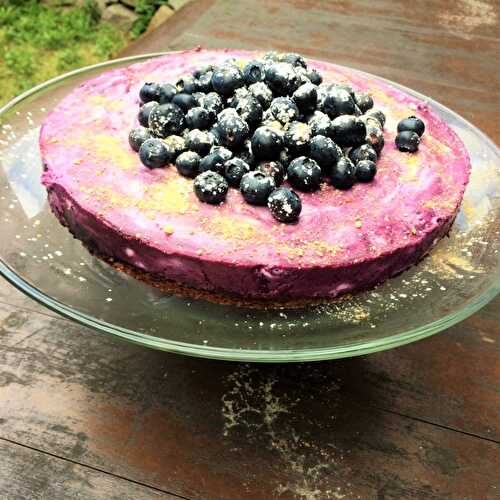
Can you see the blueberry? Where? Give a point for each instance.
(267, 116)
(249, 109)
(338, 102)
(363, 100)
(199, 141)
(145, 111)
(262, 93)
(274, 124)
(176, 143)
(378, 115)
(282, 78)
(187, 84)
(314, 76)
(266, 143)
(306, 97)
(234, 170)
(293, 59)
(296, 138)
(413, 124)
(348, 130)
(240, 93)
(253, 72)
(225, 153)
(343, 174)
(320, 124)
(304, 174)
(166, 119)
(370, 121)
(184, 101)
(188, 164)
(322, 91)
(232, 130)
(375, 138)
(284, 204)
(212, 102)
(137, 136)
(272, 56)
(198, 97)
(363, 152)
(325, 152)
(214, 133)
(202, 70)
(407, 141)
(284, 110)
(204, 82)
(213, 162)
(285, 158)
(150, 92)
(345, 87)
(246, 154)
(272, 168)
(210, 187)
(226, 112)
(256, 187)
(154, 153)
(226, 79)
(199, 118)
(166, 93)
(302, 75)
(365, 170)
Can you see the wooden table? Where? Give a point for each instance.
(85, 416)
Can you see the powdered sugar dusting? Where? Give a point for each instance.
(255, 405)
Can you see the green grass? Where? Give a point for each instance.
(39, 42)
(146, 10)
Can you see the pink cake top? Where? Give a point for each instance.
(84, 144)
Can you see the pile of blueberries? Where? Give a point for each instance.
(254, 127)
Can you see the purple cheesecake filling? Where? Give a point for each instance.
(151, 219)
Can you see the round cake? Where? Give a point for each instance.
(151, 221)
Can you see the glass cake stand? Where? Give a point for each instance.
(41, 258)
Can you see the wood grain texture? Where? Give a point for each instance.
(27, 474)
(205, 429)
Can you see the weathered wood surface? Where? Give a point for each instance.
(82, 415)
(27, 474)
(202, 429)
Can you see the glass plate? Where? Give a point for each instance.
(41, 258)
